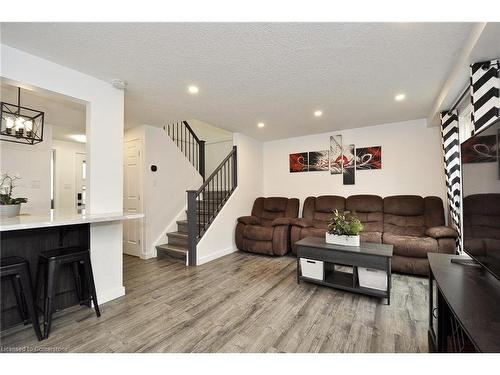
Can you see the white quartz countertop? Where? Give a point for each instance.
(55, 219)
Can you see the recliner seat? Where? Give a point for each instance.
(267, 230)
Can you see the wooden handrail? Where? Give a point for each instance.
(204, 204)
(214, 173)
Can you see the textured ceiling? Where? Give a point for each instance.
(278, 73)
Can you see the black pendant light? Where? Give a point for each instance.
(20, 124)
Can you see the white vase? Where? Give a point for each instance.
(10, 210)
(342, 240)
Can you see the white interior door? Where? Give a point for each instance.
(81, 180)
(132, 192)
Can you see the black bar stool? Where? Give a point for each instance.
(49, 263)
(17, 269)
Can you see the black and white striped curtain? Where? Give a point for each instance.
(451, 154)
(485, 98)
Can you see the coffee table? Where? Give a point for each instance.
(370, 255)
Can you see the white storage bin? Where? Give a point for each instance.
(370, 278)
(312, 269)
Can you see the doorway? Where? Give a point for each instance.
(132, 197)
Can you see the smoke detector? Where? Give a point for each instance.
(119, 84)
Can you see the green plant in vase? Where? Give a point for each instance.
(344, 229)
(9, 206)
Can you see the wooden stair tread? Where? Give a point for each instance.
(177, 234)
(173, 248)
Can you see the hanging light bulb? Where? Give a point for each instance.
(28, 125)
(19, 126)
(9, 124)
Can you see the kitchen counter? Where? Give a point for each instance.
(28, 235)
(56, 219)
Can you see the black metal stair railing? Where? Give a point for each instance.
(188, 142)
(204, 204)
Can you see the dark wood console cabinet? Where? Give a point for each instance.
(464, 307)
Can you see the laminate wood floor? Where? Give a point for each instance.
(238, 303)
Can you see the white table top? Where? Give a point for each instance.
(55, 219)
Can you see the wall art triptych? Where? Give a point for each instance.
(339, 159)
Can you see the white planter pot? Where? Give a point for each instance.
(9, 210)
(342, 240)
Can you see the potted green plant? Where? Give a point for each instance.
(9, 207)
(343, 230)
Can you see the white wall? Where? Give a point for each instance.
(412, 163)
(219, 239)
(215, 152)
(164, 195)
(65, 173)
(104, 126)
(32, 163)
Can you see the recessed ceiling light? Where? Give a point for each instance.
(400, 97)
(193, 89)
(318, 113)
(261, 125)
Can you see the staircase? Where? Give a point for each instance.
(178, 244)
(203, 204)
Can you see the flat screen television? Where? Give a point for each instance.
(481, 197)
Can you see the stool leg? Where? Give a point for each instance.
(16, 284)
(78, 281)
(52, 277)
(90, 282)
(40, 279)
(30, 303)
(85, 288)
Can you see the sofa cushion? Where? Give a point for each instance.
(268, 217)
(409, 265)
(257, 232)
(249, 220)
(275, 204)
(320, 219)
(441, 232)
(328, 203)
(313, 232)
(259, 247)
(434, 212)
(372, 221)
(371, 237)
(368, 209)
(404, 225)
(364, 203)
(411, 246)
(404, 205)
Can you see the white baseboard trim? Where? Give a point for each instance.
(216, 255)
(149, 255)
(110, 294)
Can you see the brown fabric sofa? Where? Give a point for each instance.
(413, 224)
(267, 230)
(482, 224)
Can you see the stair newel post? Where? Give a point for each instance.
(202, 159)
(192, 226)
(235, 168)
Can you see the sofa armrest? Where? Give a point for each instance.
(281, 221)
(441, 232)
(303, 223)
(249, 220)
